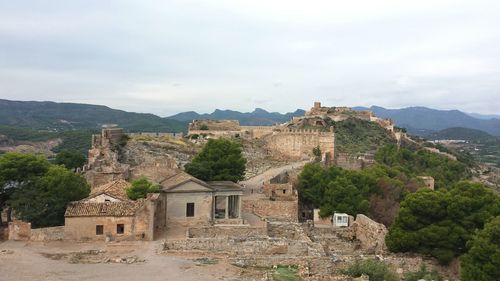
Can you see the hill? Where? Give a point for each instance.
(259, 117)
(420, 120)
(54, 116)
(460, 133)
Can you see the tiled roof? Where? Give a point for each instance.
(115, 189)
(179, 179)
(116, 209)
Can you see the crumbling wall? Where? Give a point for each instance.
(284, 210)
(244, 247)
(19, 230)
(226, 231)
(47, 233)
(370, 234)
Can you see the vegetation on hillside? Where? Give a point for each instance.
(73, 140)
(219, 160)
(356, 136)
(444, 170)
(460, 133)
(69, 116)
(439, 223)
(37, 190)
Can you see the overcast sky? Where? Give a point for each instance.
(167, 56)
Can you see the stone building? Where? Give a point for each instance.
(191, 201)
(108, 214)
(428, 181)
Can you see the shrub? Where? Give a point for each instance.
(376, 270)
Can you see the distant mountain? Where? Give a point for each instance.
(259, 117)
(423, 120)
(54, 116)
(484, 116)
(459, 133)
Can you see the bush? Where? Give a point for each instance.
(376, 270)
(423, 274)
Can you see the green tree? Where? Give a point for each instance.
(140, 188)
(71, 159)
(334, 189)
(482, 261)
(17, 170)
(439, 223)
(43, 201)
(219, 160)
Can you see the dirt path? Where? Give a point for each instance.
(28, 261)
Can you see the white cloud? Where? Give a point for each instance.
(170, 56)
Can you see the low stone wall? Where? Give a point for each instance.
(47, 234)
(226, 231)
(286, 210)
(240, 247)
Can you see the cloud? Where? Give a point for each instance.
(170, 56)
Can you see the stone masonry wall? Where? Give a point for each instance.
(47, 233)
(299, 144)
(286, 210)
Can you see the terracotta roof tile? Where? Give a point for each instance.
(116, 209)
(115, 189)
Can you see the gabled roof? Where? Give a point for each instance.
(169, 184)
(115, 189)
(114, 209)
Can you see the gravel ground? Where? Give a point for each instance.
(45, 261)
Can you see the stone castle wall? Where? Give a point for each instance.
(299, 144)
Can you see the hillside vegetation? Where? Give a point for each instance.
(73, 139)
(460, 133)
(68, 116)
(355, 136)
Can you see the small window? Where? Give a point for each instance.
(190, 210)
(284, 191)
(107, 200)
(120, 228)
(99, 229)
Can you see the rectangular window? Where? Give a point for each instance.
(99, 229)
(120, 228)
(190, 210)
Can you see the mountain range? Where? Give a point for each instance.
(66, 116)
(423, 120)
(54, 116)
(259, 117)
